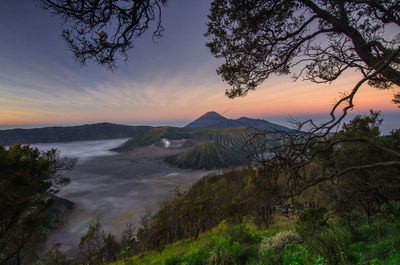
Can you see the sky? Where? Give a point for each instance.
(171, 82)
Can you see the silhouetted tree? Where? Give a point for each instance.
(361, 167)
(97, 246)
(100, 30)
(29, 180)
(318, 40)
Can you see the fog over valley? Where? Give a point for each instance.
(117, 188)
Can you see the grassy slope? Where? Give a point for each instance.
(244, 244)
(206, 155)
(213, 200)
(210, 201)
(233, 138)
(241, 240)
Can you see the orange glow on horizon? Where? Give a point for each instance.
(276, 97)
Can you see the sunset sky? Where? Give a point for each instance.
(167, 83)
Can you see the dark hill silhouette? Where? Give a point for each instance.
(98, 131)
(214, 120)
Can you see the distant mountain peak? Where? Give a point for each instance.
(212, 119)
(211, 115)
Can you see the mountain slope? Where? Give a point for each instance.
(206, 155)
(214, 120)
(263, 125)
(98, 131)
(232, 138)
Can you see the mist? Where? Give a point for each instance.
(116, 188)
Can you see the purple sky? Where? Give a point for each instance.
(167, 83)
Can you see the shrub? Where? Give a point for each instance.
(295, 254)
(173, 260)
(195, 257)
(279, 241)
(29, 179)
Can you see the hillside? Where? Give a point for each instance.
(218, 222)
(98, 131)
(213, 120)
(232, 138)
(57, 212)
(206, 155)
(209, 127)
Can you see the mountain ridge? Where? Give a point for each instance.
(103, 131)
(212, 119)
(96, 131)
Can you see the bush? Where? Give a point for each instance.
(279, 241)
(29, 180)
(271, 249)
(195, 257)
(173, 260)
(295, 254)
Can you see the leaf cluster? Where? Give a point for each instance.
(99, 31)
(29, 180)
(315, 40)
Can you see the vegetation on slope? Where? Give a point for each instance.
(232, 138)
(28, 183)
(209, 202)
(98, 131)
(206, 155)
(313, 239)
(357, 224)
(225, 244)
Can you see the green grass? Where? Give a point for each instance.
(206, 155)
(306, 242)
(225, 242)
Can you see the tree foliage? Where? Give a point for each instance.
(99, 31)
(358, 166)
(364, 189)
(317, 40)
(29, 180)
(97, 246)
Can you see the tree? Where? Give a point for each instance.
(29, 180)
(101, 30)
(98, 247)
(129, 242)
(318, 40)
(315, 40)
(358, 168)
(54, 256)
(363, 189)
